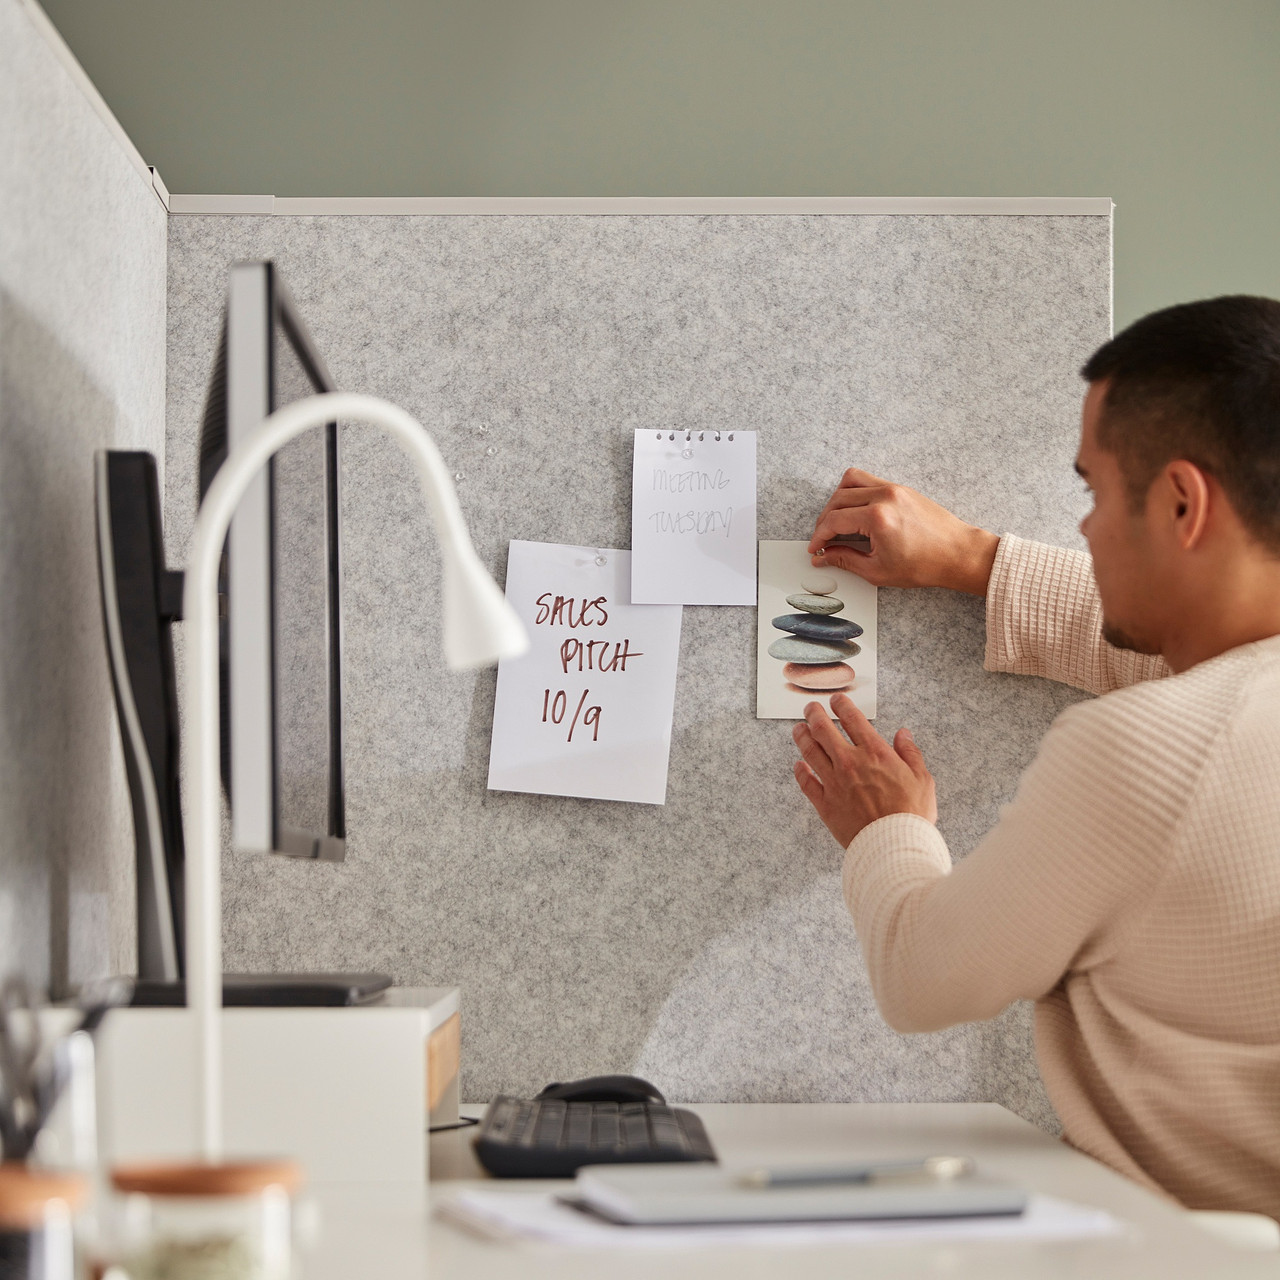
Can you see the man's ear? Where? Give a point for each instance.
(1187, 498)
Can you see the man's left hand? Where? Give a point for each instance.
(855, 780)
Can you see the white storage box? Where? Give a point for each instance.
(344, 1091)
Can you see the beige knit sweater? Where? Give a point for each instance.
(1131, 888)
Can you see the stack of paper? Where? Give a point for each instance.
(542, 1215)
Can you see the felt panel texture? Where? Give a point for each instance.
(82, 367)
(703, 944)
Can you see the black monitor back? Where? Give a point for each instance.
(140, 600)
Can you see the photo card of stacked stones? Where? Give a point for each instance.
(817, 634)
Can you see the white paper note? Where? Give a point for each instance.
(821, 627)
(587, 710)
(693, 517)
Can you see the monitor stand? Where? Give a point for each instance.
(275, 990)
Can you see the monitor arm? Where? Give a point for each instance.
(479, 628)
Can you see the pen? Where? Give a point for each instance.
(933, 1169)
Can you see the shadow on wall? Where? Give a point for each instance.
(65, 827)
(762, 1015)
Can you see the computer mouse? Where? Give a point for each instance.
(604, 1089)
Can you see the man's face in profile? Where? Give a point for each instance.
(1118, 539)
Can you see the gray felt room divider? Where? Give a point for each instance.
(82, 364)
(703, 944)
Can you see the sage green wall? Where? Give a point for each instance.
(1172, 107)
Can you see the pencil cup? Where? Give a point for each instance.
(205, 1221)
(36, 1241)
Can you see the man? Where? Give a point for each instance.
(1132, 887)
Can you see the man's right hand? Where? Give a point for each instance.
(913, 542)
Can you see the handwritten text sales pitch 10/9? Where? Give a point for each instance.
(589, 655)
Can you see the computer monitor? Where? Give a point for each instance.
(281, 644)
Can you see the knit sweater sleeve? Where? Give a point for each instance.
(1044, 618)
(1049, 889)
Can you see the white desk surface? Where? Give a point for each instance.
(390, 1233)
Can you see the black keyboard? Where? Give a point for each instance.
(548, 1138)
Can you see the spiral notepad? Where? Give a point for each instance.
(693, 517)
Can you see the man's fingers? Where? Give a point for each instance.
(857, 479)
(859, 496)
(861, 513)
(809, 783)
(838, 556)
(855, 522)
(860, 730)
(905, 745)
(846, 500)
(824, 732)
(815, 755)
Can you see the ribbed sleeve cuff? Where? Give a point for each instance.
(1044, 618)
(1034, 595)
(900, 849)
(1008, 572)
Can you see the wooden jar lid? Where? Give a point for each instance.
(232, 1178)
(24, 1193)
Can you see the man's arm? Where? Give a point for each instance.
(1043, 613)
(1044, 618)
(1078, 852)
(910, 540)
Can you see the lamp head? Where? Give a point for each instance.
(479, 625)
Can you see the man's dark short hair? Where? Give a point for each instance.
(1199, 381)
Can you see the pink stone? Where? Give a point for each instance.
(836, 676)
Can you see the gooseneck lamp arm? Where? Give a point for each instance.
(479, 628)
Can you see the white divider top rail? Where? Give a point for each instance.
(1043, 206)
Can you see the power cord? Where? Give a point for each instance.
(465, 1122)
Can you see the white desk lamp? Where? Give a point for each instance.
(479, 628)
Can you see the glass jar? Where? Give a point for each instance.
(36, 1241)
(206, 1221)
